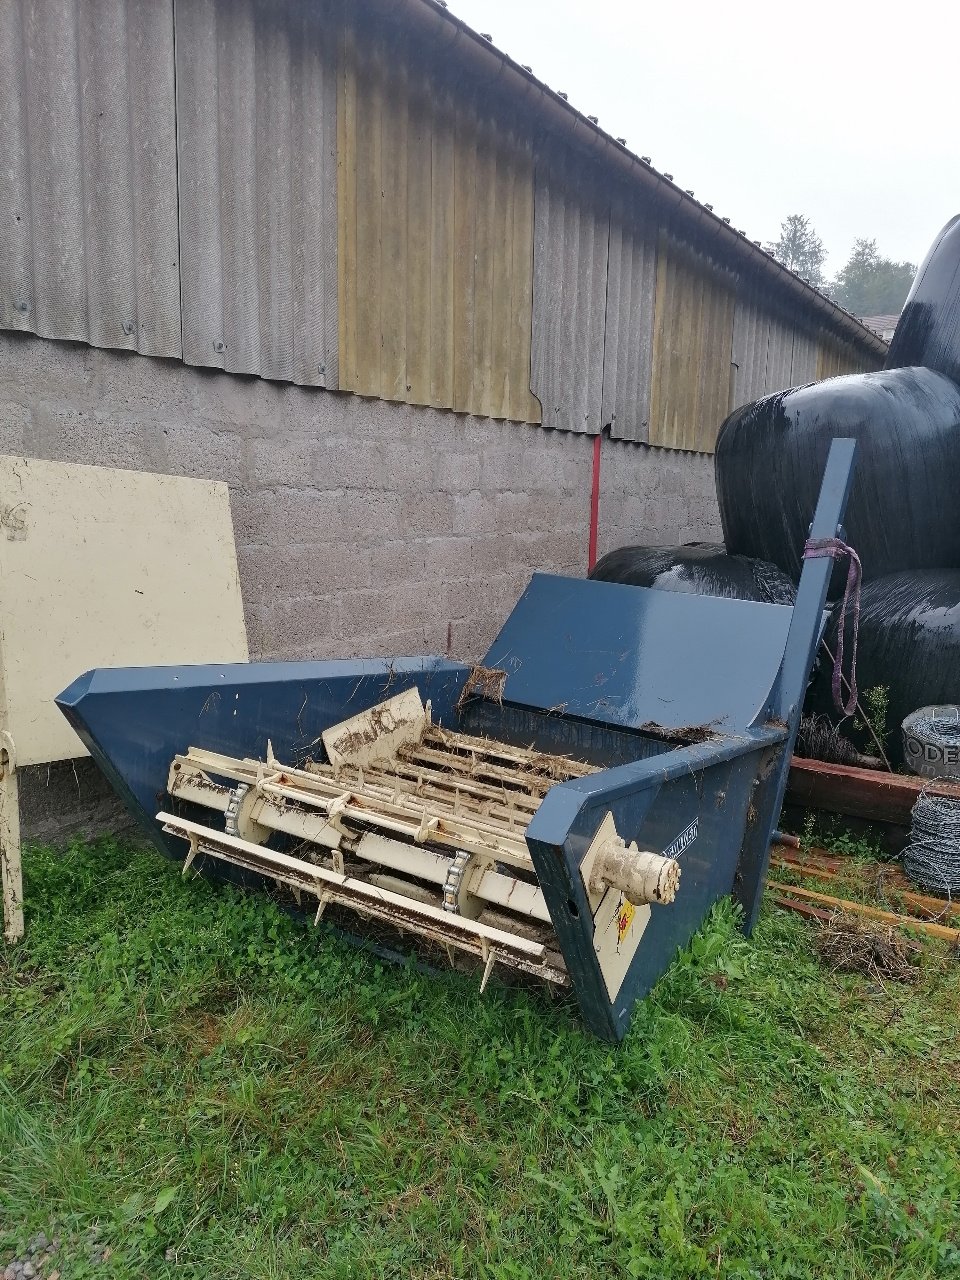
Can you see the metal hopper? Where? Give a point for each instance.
(570, 810)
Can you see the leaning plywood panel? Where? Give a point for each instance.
(88, 238)
(257, 145)
(435, 227)
(692, 348)
(103, 567)
(571, 241)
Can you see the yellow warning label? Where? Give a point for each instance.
(625, 919)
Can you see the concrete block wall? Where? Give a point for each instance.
(655, 497)
(362, 527)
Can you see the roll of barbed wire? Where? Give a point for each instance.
(931, 741)
(932, 859)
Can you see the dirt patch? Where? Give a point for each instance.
(688, 735)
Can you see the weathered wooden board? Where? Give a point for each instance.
(858, 793)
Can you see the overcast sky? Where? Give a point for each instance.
(846, 112)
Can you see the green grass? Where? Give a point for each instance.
(228, 1093)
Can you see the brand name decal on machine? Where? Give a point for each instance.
(683, 841)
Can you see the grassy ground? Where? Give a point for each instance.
(226, 1093)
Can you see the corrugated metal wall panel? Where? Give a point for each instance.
(692, 349)
(780, 354)
(257, 145)
(88, 240)
(570, 252)
(804, 359)
(836, 357)
(435, 226)
(429, 262)
(749, 351)
(770, 352)
(628, 342)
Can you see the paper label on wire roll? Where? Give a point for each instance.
(930, 760)
(931, 741)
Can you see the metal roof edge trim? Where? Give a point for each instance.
(436, 20)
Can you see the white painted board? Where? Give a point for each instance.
(101, 567)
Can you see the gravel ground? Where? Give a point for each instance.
(39, 1260)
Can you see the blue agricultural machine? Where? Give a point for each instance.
(571, 809)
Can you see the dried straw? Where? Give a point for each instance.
(848, 944)
(483, 682)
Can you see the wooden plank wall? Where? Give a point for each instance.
(692, 344)
(435, 198)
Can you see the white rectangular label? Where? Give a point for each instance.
(683, 841)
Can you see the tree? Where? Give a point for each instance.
(870, 285)
(800, 248)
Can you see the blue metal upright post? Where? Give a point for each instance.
(789, 689)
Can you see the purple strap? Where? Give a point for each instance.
(834, 549)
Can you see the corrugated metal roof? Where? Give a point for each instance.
(88, 241)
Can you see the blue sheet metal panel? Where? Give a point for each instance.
(134, 720)
(787, 695)
(654, 802)
(605, 746)
(629, 656)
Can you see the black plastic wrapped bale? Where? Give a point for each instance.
(928, 333)
(907, 425)
(700, 569)
(909, 643)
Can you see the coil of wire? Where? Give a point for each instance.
(931, 741)
(932, 859)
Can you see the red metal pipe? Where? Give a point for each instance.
(594, 504)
